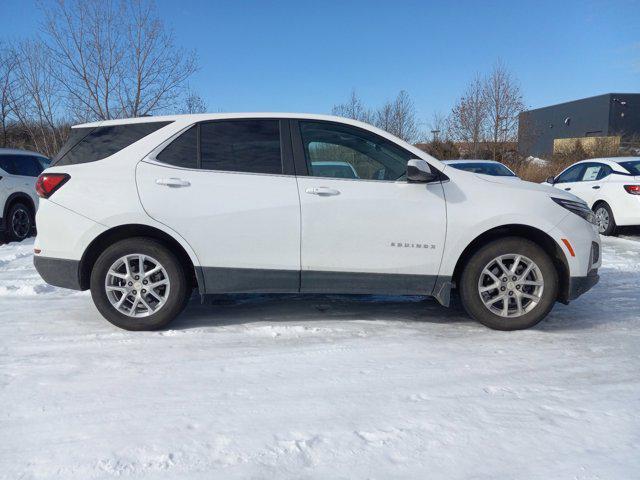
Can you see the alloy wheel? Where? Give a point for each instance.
(20, 223)
(137, 285)
(511, 285)
(602, 219)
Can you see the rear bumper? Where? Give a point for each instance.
(59, 272)
(580, 285)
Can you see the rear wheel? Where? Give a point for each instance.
(19, 222)
(138, 284)
(509, 284)
(604, 219)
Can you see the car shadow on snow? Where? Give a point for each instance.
(224, 310)
(614, 301)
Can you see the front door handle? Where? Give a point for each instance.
(596, 187)
(173, 182)
(322, 191)
(568, 188)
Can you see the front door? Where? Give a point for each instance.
(365, 229)
(231, 201)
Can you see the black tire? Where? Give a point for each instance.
(471, 274)
(611, 226)
(19, 222)
(176, 300)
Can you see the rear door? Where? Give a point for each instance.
(227, 188)
(369, 231)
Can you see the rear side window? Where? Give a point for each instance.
(6, 164)
(92, 144)
(633, 166)
(24, 165)
(183, 151)
(241, 146)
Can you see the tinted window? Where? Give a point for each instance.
(6, 164)
(183, 151)
(92, 144)
(24, 165)
(44, 162)
(241, 146)
(340, 151)
(573, 174)
(633, 166)
(27, 166)
(493, 169)
(591, 172)
(604, 172)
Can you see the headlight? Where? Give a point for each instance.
(579, 208)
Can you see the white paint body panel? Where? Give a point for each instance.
(354, 230)
(230, 219)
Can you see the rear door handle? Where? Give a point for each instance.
(173, 182)
(322, 191)
(568, 188)
(596, 187)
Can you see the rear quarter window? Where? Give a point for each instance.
(95, 143)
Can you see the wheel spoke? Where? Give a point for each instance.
(488, 288)
(122, 288)
(515, 264)
(519, 305)
(531, 297)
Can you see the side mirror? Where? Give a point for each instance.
(551, 180)
(419, 171)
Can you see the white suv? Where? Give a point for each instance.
(610, 186)
(141, 211)
(18, 200)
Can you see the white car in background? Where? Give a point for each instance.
(18, 200)
(142, 211)
(484, 167)
(610, 186)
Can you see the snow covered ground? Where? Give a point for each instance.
(319, 387)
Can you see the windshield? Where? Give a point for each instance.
(493, 169)
(633, 166)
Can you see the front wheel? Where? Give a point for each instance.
(138, 284)
(509, 284)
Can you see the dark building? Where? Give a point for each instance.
(609, 115)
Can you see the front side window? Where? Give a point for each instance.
(250, 146)
(95, 143)
(573, 174)
(340, 151)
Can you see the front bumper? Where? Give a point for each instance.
(580, 285)
(59, 272)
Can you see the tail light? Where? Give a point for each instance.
(632, 189)
(48, 183)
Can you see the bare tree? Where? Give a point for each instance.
(194, 103)
(7, 77)
(438, 127)
(404, 123)
(467, 122)
(35, 98)
(353, 108)
(114, 59)
(503, 100)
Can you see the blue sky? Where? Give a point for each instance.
(308, 55)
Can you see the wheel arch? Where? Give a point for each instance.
(545, 241)
(18, 197)
(121, 232)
